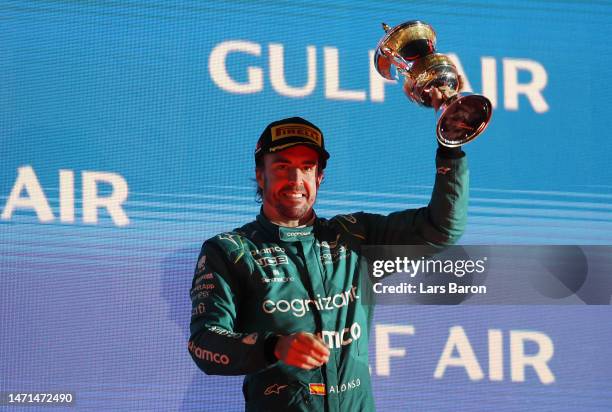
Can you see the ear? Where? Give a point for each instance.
(320, 179)
(259, 176)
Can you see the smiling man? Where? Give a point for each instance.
(280, 299)
(290, 180)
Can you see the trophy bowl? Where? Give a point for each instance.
(431, 71)
(402, 45)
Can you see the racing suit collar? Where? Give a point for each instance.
(286, 234)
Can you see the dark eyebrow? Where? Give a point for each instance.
(281, 159)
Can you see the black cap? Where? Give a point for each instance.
(290, 132)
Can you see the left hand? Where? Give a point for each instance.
(438, 97)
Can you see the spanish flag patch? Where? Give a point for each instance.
(317, 389)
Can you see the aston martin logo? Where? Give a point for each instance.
(229, 237)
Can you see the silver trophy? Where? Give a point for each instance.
(409, 50)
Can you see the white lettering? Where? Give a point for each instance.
(286, 306)
(272, 261)
(66, 178)
(466, 359)
(112, 203)
(332, 79)
(299, 307)
(266, 304)
(352, 384)
(496, 355)
(258, 252)
(36, 200)
(343, 299)
(346, 336)
(295, 234)
(327, 336)
(532, 90)
(277, 72)
(254, 83)
(539, 360)
(384, 351)
(218, 69)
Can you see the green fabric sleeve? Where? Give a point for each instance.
(441, 223)
(214, 345)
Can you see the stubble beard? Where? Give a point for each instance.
(290, 212)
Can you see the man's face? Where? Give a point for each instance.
(289, 180)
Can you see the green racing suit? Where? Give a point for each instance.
(262, 280)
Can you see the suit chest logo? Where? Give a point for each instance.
(332, 251)
(273, 263)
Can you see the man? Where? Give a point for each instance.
(280, 299)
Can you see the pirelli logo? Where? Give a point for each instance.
(296, 129)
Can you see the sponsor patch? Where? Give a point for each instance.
(229, 237)
(272, 261)
(443, 170)
(208, 356)
(200, 295)
(198, 310)
(299, 307)
(317, 389)
(277, 280)
(296, 129)
(201, 263)
(274, 389)
(224, 332)
(268, 250)
(206, 276)
(295, 234)
(347, 386)
(337, 339)
(201, 288)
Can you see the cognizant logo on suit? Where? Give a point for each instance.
(299, 307)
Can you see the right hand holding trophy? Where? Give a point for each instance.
(432, 80)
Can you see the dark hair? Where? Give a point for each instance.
(259, 192)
